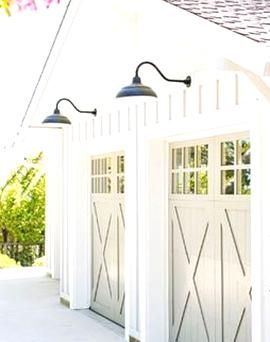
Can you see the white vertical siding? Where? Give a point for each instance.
(260, 224)
(65, 238)
(54, 223)
(210, 97)
(215, 104)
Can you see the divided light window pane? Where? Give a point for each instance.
(202, 182)
(243, 152)
(244, 182)
(176, 158)
(194, 160)
(227, 153)
(202, 156)
(227, 182)
(189, 182)
(235, 171)
(189, 157)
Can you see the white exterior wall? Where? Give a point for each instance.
(143, 130)
(90, 71)
(260, 224)
(54, 202)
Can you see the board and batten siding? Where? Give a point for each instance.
(215, 104)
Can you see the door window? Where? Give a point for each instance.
(101, 169)
(120, 174)
(190, 170)
(235, 173)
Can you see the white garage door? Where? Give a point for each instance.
(108, 225)
(209, 235)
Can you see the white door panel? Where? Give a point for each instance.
(193, 271)
(108, 226)
(234, 221)
(209, 242)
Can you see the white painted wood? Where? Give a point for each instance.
(260, 224)
(78, 229)
(54, 214)
(159, 126)
(150, 126)
(156, 121)
(193, 312)
(65, 272)
(226, 80)
(132, 310)
(142, 229)
(234, 216)
(156, 237)
(107, 238)
(210, 268)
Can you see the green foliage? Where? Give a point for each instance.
(6, 261)
(22, 208)
(40, 262)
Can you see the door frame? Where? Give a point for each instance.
(156, 222)
(214, 197)
(114, 197)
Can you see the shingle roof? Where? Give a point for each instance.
(250, 18)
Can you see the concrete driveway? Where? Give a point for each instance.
(30, 312)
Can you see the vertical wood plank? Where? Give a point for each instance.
(93, 128)
(157, 112)
(118, 121)
(200, 100)
(101, 126)
(236, 90)
(109, 123)
(170, 106)
(217, 94)
(184, 103)
(144, 114)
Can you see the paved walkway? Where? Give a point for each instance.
(30, 312)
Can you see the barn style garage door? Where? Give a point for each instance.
(209, 236)
(108, 225)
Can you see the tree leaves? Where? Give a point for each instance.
(22, 204)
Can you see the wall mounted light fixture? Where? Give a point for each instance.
(136, 88)
(58, 118)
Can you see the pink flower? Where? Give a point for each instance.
(23, 4)
(49, 2)
(26, 4)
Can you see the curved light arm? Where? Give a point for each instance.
(186, 81)
(56, 111)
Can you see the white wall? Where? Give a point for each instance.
(260, 223)
(101, 44)
(53, 156)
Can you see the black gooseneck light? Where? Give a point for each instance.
(58, 118)
(136, 88)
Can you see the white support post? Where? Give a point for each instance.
(79, 230)
(132, 325)
(156, 238)
(142, 202)
(152, 236)
(54, 215)
(65, 238)
(260, 224)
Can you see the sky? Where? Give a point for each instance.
(25, 40)
(24, 44)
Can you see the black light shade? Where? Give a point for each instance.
(136, 88)
(56, 118)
